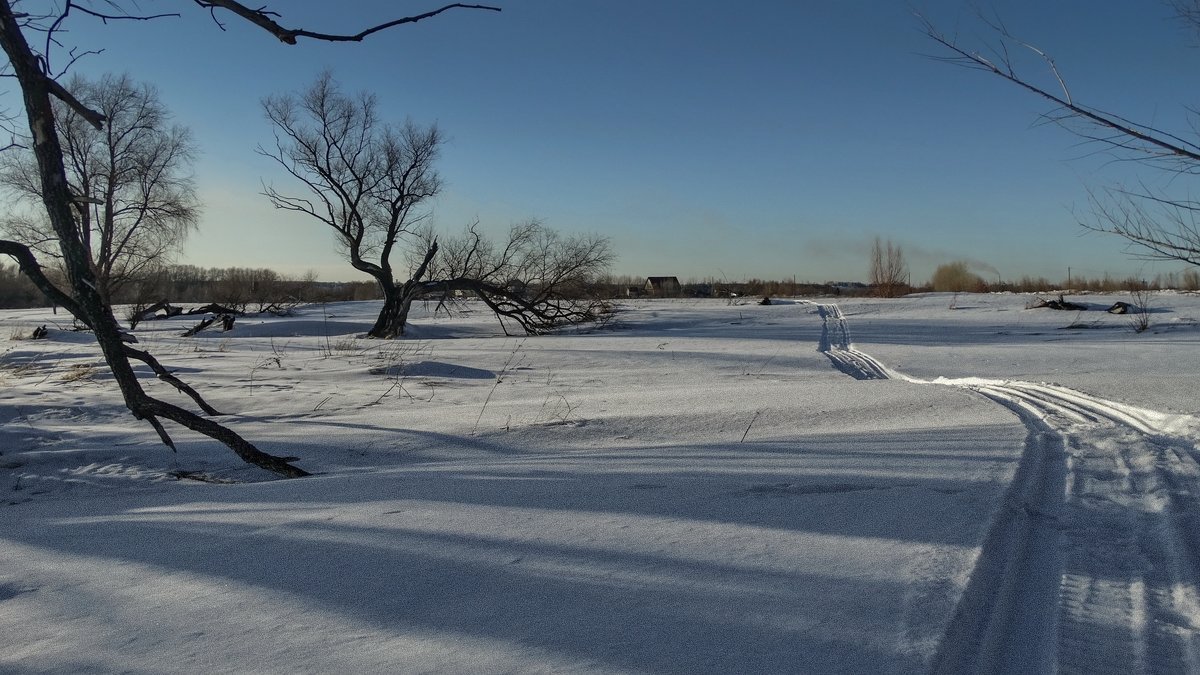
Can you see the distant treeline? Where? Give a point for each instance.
(631, 286)
(628, 286)
(244, 288)
(18, 291)
(252, 289)
(1187, 280)
(256, 289)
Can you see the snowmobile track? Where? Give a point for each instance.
(1128, 600)
(1093, 562)
(835, 343)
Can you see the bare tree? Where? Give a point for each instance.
(889, 271)
(372, 182)
(1156, 226)
(367, 180)
(136, 201)
(33, 72)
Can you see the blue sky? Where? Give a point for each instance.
(706, 138)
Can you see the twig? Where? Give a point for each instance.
(755, 418)
(499, 379)
(262, 19)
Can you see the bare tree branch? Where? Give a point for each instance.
(60, 92)
(1156, 227)
(104, 17)
(262, 19)
(1149, 140)
(169, 377)
(31, 269)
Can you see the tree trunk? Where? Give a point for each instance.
(397, 300)
(394, 314)
(86, 300)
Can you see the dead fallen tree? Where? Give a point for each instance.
(165, 310)
(226, 321)
(159, 310)
(1060, 304)
(214, 308)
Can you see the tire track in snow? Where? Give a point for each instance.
(1093, 564)
(1127, 598)
(835, 343)
(1005, 619)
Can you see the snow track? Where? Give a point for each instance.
(835, 343)
(1128, 568)
(1093, 563)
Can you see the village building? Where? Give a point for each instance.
(663, 287)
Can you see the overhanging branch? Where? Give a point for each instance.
(33, 270)
(262, 19)
(1154, 142)
(60, 92)
(1156, 226)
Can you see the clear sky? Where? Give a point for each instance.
(707, 138)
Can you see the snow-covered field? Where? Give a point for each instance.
(852, 485)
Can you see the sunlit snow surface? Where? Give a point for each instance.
(826, 485)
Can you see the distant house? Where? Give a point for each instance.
(663, 287)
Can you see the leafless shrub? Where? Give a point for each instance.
(515, 357)
(1191, 280)
(1139, 315)
(262, 364)
(957, 277)
(889, 271)
(391, 359)
(79, 372)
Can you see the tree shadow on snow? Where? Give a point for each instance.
(777, 556)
